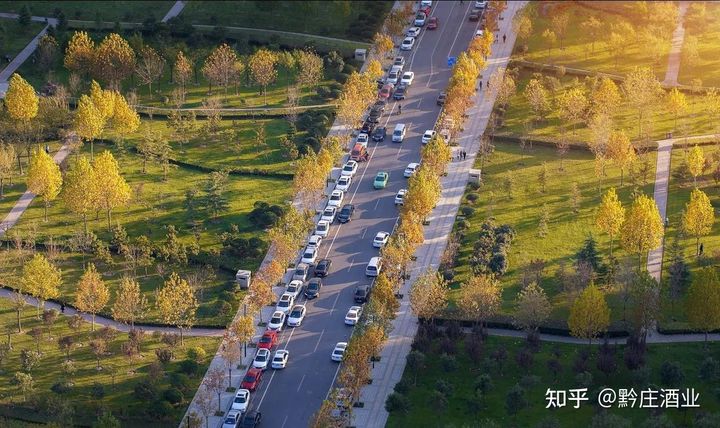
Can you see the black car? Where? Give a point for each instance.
(401, 92)
(312, 289)
(251, 419)
(323, 267)
(362, 293)
(379, 106)
(374, 116)
(368, 127)
(379, 133)
(346, 213)
(441, 98)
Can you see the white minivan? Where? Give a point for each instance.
(373, 267)
(399, 133)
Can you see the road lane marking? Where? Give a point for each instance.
(432, 55)
(337, 296)
(298, 388)
(352, 261)
(267, 388)
(332, 383)
(284, 422)
(377, 203)
(458, 31)
(365, 229)
(319, 339)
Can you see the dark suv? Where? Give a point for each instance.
(379, 133)
(312, 288)
(346, 213)
(362, 293)
(323, 267)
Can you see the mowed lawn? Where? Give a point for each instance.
(519, 113)
(581, 50)
(707, 32)
(118, 393)
(567, 230)
(679, 195)
(14, 37)
(331, 19)
(464, 408)
(125, 11)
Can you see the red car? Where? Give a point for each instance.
(432, 23)
(386, 91)
(268, 340)
(252, 379)
(425, 10)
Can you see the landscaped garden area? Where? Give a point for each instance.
(14, 37)
(59, 371)
(125, 11)
(701, 47)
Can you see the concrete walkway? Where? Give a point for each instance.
(107, 322)
(388, 371)
(675, 56)
(174, 11)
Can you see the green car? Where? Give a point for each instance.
(381, 180)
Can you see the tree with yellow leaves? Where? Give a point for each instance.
(698, 217)
(396, 256)
(621, 151)
(423, 193)
(480, 298)
(103, 100)
(125, 119)
(89, 122)
(112, 189)
(696, 162)
(130, 304)
(428, 295)
(374, 70)
(177, 303)
(676, 104)
(411, 228)
(78, 192)
(538, 98)
(114, 60)
(610, 215)
(605, 98)
(436, 155)
(182, 70)
(309, 66)
(44, 177)
(642, 90)
(41, 279)
(532, 307)
(263, 68)
(703, 301)
(309, 180)
(92, 293)
(21, 101)
(589, 314)
(8, 156)
(382, 44)
(243, 328)
(572, 105)
(219, 67)
(80, 53)
(643, 228)
(356, 95)
(150, 67)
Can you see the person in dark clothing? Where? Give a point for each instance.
(481, 84)
(701, 249)
(399, 108)
(504, 37)
(464, 154)
(62, 308)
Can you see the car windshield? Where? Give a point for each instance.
(240, 399)
(296, 313)
(284, 303)
(230, 420)
(312, 286)
(338, 352)
(359, 292)
(265, 339)
(329, 211)
(276, 319)
(249, 378)
(334, 197)
(348, 167)
(345, 211)
(261, 357)
(292, 288)
(278, 359)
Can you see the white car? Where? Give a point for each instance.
(349, 169)
(339, 351)
(407, 44)
(295, 288)
(285, 303)
(241, 400)
(280, 359)
(336, 198)
(261, 359)
(481, 4)
(276, 321)
(353, 315)
(315, 241)
(411, 169)
(407, 78)
(343, 183)
(400, 197)
(381, 239)
(329, 214)
(232, 419)
(420, 19)
(479, 33)
(428, 136)
(297, 315)
(362, 139)
(413, 32)
(322, 228)
(424, 3)
(309, 255)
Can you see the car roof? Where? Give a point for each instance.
(254, 370)
(348, 206)
(363, 287)
(270, 333)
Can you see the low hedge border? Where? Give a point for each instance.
(580, 145)
(505, 322)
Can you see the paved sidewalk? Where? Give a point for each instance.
(388, 371)
(675, 56)
(107, 322)
(174, 11)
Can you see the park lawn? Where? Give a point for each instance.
(519, 113)
(578, 50)
(15, 37)
(708, 34)
(242, 153)
(567, 230)
(678, 197)
(125, 11)
(459, 412)
(119, 398)
(330, 19)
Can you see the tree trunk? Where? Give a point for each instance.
(85, 224)
(697, 246)
(181, 337)
(92, 150)
(229, 377)
(622, 176)
(19, 321)
(2, 187)
(92, 325)
(45, 209)
(109, 218)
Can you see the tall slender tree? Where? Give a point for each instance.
(41, 279)
(92, 293)
(44, 177)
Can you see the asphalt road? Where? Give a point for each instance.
(288, 398)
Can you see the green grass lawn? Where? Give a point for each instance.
(519, 113)
(119, 398)
(708, 35)
(578, 50)
(567, 230)
(679, 195)
(337, 19)
(425, 411)
(132, 11)
(14, 37)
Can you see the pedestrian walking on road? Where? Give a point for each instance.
(464, 154)
(504, 37)
(62, 308)
(480, 83)
(399, 108)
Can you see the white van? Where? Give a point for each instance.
(373, 267)
(399, 133)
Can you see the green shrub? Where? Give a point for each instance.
(196, 354)
(145, 391)
(173, 396)
(397, 403)
(189, 367)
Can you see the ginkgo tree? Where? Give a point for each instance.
(114, 191)
(79, 189)
(44, 177)
(698, 217)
